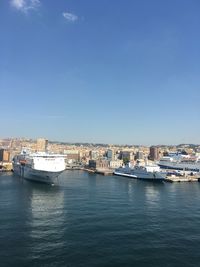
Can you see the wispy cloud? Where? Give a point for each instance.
(70, 17)
(25, 5)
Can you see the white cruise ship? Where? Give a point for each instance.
(180, 162)
(146, 172)
(39, 166)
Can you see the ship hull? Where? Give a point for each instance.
(31, 174)
(148, 176)
(125, 175)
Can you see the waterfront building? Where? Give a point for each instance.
(72, 155)
(126, 155)
(4, 155)
(99, 164)
(94, 154)
(114, 164)
(154, 153)
(110, 154)
(41, 144)
(139, 155)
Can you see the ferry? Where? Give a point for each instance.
(180, 162)
(146, 172)
(40, 166)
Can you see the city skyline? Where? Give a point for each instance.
(33, 140)
(124, 72)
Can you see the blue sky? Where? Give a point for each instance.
(124, 71)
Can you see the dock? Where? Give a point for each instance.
(179, 179)
(100, 171)
(6, 167)
(104, 171)
(89, 170)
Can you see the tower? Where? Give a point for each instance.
(42, 144)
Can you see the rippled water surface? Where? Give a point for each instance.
(93, 220)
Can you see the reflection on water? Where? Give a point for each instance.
(46, 222)
(152, 195)
(130, 190)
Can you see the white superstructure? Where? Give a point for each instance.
(40, 166)
(180, 162)
(146, 172)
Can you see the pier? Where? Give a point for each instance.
(179, 179)
(104, 171)
(100, 171)
(6, 167)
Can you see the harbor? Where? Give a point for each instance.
(99, 139)
(168, 178)
(178, 162)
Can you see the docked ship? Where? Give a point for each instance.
(180, 162)
(146, 172)
(40, 166)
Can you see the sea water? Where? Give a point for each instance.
(93, 220)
